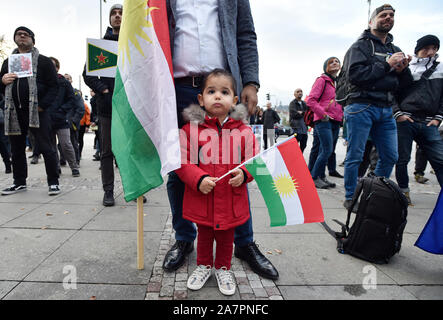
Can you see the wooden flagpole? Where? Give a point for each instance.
(140, 241)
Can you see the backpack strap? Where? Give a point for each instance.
(357, 193)
(427, 74)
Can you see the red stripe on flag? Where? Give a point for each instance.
(296, 164)
(161, 27)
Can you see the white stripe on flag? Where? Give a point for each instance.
(292, 204)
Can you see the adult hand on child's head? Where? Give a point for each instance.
(238, 178)
(207, 184)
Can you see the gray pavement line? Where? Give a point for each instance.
(78, 282)
(24, 214)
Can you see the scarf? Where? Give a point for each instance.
(12, 126)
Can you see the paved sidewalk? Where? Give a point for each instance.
(71, 247)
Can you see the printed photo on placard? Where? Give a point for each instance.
(21, 64)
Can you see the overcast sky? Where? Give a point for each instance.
(295, 37)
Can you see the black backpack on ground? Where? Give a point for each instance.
(377, 231)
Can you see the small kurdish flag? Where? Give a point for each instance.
(286, 184)
(144, 132)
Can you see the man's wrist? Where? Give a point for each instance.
(254, 84)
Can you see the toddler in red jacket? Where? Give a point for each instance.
(214, 142)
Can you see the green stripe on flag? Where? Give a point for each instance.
(137, 158)
(266, 185)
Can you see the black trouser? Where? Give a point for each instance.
(420, 161)
(302, 140)
(5, 149)
(107, 158)
(43, 140)
(81, 134)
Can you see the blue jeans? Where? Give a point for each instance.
(363, 120)
(184, 229)
(327, 133)
(428, 139)
(313, 155)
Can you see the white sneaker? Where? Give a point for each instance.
(199, 277)
(225, 281)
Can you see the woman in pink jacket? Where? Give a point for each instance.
(328, 115)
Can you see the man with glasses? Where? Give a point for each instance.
(26, 103)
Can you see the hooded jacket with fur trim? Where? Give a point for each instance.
(212, 149)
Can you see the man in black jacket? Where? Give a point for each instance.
(420, 112)
(104, 88)
(297, 110)
(270, 118)
(376, 70)
(59, 111)
(27, 101)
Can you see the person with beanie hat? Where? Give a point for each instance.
(328, 115)
(27, 101)
(29, 31)
(429, 40)
(420, 112)
(104, 88)
(374, 71)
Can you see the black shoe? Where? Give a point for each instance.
(108, 199)
(63, 163)
(34, 160)
(75, 173)
(335, 174)
(329, 183)
(54, 190)
(96, 157)
(256, 261)
(320, 184)
(175, 257)
(347, 205)
(13, 189)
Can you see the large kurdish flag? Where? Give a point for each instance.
(144, 118)
(286, 185)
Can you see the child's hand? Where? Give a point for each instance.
(207, 184)
(238, 178)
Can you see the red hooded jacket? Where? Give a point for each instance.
(209, 149)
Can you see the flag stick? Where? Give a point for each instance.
(140, 242)
(257, 155)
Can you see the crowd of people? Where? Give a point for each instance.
(382, 98)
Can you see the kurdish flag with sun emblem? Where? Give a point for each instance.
(144, 131)
(286, 185)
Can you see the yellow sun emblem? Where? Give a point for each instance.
(134, 20)
(285, 185)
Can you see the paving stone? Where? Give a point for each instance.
(181, 286)
(180, 294)
(272, 291)
(152, 296)
(256, 284)
(154, 286)
(166, 291)
(241, 280)
(260, 292)
(181, 277)
(275, 298)
(247, 296)
(245, 289)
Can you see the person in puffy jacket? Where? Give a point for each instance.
(420, 112)
(328, 115)
(216, 207)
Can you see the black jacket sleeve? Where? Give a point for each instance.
(97, 85)
(47, 75)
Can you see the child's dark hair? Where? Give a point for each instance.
(220, 72)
